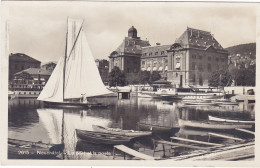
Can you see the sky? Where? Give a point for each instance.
(38, 29)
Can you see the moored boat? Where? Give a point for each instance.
(102, 137)
(75, 77)
(154, 127)
(212, 118)
(131, 133)
(219, 125)
(200, 103)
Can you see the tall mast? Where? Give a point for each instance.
(65, 58)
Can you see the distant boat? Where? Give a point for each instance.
(154, 127)
(130, 133)
(102, 138)
(20, 149)
(146, 95)
(76, 76)
(229, 120)
(200, 102)
(219, 125)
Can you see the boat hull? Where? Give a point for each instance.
(74, 105)
(212, 125)
(102, 138)
(130, 133)
(154, 128)
(228, 120)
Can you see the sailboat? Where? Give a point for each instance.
(76, 76)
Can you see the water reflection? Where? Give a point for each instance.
(30, 120)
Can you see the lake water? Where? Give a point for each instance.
(29, 120)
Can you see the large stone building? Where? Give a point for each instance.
(193, 58)
(19, 62)
(189, 61)
(127, 55)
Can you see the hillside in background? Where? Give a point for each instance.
(243, 49)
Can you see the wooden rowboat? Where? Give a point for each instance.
(219, 125)
(102, 138)
(130, 133)
(228, 120)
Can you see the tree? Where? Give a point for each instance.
(117, 77)
(243, 76)
(132, 78)
(220, 78)
(154, 77)
(144, 77)
(246, 76)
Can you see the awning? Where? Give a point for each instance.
(149, 69)
(143, 69)
(35, 78)
(154, 68)
(160, 68)
(178, 65)
(42, 79)
(166, 68)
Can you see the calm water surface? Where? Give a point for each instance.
(29, 120)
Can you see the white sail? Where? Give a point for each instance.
(81, 74)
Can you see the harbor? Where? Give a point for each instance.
(165, 138)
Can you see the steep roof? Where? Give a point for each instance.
(22, 57)
(35, 71)
(199, 39)
(131, 46)
(155, 51)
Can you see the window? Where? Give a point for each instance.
(193, 66)
(143, 62)
(217, 59)
(200, 57)
(144, 54)
(15, 66)
(200, 67)
(193, 56)
(156, 53)
(22, 67)
(209, 58)
(162, 52)
(176, 74)
(150, 54)
(178, 65)
(209, 67)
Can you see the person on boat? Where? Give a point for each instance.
(84, 98)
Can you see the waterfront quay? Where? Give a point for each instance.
(30, 120)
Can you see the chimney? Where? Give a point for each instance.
(212, 35)
(190, 33)
(198, 33)
(158, 43)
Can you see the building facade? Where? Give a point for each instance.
(193, 58)
(155, 58)
(19, 62)
(127, 55)
(30, 79)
